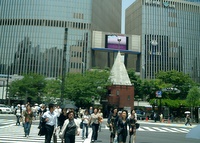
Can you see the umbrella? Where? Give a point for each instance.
(187, 112)
(69, 106)
(194, 133)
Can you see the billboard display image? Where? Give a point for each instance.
(113, 42)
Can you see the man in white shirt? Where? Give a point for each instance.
(50, 117)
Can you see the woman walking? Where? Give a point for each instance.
(112, 123)
(27, 116)
(122, 127)
(85, 120)
(95, 124)
(100, 119)
(132, 126)
(61, 119)
(70, 128)
(18, 113)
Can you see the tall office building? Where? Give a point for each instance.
(170, 35)
(193, 0)
(51, 37)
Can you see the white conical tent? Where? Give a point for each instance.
(119, 75)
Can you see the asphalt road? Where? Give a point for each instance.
(167, 134)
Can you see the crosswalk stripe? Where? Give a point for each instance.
(180, 130)
(149, 129)
(170, 130)
(158, 129)
(16, 135)
(187, 130)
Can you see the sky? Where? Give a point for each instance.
(125, 4)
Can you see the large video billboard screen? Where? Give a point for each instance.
(112, 42)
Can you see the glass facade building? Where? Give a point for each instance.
(50, 37)
(170, 35)
(193, 0)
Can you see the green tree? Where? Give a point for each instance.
(82, 89)
(135, 79)
(193, 97)
(29, 88)
(52, 90)
(178, 80)
(149, 88)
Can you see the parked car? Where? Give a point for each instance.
(5, 109)
(140, 115)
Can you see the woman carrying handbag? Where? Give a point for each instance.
(70, 128)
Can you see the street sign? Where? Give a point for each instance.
(159, 93)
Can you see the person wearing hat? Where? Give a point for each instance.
(18, 113)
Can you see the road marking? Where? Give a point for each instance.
(179, 130)
(149, 129)
(158, 129)
(168, 129)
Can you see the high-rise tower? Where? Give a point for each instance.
(52, 36)
(170, 35)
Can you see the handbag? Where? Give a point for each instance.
(81, 125)
(137, 125)
(42, 128)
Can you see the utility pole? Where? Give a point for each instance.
(7, 87)
(64, 66)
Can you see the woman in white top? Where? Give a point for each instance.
(18, 114)
(85, 119)
(70, 128)
(95, 124)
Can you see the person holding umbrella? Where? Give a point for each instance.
(188, 120)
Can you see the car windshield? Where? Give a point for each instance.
(138, 112)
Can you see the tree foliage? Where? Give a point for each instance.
(52, 90)
(178, 80)
(31, 86)
(137, 82)
(83, 89)
(193, 97)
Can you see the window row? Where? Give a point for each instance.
(43, 22)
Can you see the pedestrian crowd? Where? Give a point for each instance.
(56, 122)
(122, 124)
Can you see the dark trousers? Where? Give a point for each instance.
(95, 128)
(18, 118)
(49, 133)
(69, 138)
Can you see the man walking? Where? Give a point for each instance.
(50, 117)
